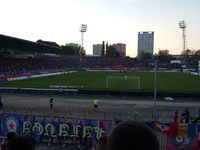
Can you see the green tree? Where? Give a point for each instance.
(164, 56)
(70, 49)
(197, 52)
(191, 57)
(103, 49)
(48, 43)
(106, 48)
(82, 51)
(195, 59)
(146, 56)
(117, 54)
(110, 51)
(188, 52)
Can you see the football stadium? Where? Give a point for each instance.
(71, 101)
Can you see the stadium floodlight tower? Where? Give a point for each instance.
(182, 25)
(82, 30)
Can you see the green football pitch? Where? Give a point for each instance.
(118, 81)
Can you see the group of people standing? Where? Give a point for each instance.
(185, 117)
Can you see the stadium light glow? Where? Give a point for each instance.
(83, 28)
(182, 24)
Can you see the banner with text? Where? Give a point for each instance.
(52, 129)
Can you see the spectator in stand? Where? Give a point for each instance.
(22, 142)
(1, 102)
(198, 114)
(102, 143)
(186, 116)
(10, 136)
(132, 135)
(51, 102)
(197, 119)
(176, 115)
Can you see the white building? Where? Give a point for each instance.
(145, 42)
(97, 49)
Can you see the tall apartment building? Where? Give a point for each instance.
(145, 43)
(97, 49)
(121, 48)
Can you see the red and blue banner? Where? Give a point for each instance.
(198, 132)
(182, 143)
(182, 136)
(52, 129)
(65, 130)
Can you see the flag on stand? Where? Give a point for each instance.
(162, 127)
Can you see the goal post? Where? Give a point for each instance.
(130, 82)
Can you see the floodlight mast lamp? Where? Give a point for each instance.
(182, 25)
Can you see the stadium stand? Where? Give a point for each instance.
(21, 45)
(36, 65)
(19, 57)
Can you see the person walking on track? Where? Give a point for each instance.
(51, 102)
(96, 104)
(1, 102)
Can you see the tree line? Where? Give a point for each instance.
(109, 50)
(67, 49)
(75, 49)
(189, 56)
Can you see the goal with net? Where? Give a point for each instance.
(123, 82)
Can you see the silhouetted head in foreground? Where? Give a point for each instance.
(10, 135)
(6, 144)
(132, 135)
(22, 142)
(102, 143)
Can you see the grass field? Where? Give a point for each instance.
(166, 82)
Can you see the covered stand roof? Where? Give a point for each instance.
(8, 42)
